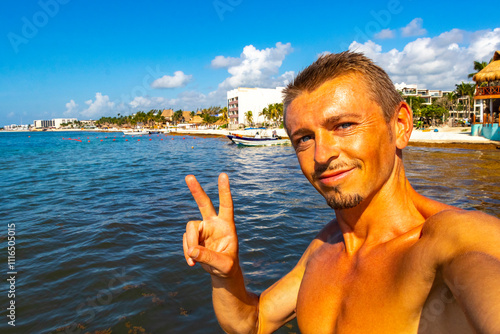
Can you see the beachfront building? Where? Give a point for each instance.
(186, 116)
(53, 123)
(168, 114)
(16, 127)
(241, 100)
(429, 95)
(487, 100)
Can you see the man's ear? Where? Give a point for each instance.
(404, 125)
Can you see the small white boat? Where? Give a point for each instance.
(136, 132)
(258, 140)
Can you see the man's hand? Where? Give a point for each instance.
(213, 241)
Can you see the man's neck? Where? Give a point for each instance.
(385, 215)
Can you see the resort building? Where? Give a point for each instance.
(241, 100)
(429, 95)
(487, 100)
(16, 127)
(53, 123)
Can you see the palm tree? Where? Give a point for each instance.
(478, 66)
(225, 116)
(249, 117)
(466, 90)
(177, 116)
(265, 112)
(278, 112)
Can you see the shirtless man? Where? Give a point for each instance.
(392, 261)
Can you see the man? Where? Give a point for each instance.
(392, 261)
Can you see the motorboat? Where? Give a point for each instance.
(258, 140)
(136, 132)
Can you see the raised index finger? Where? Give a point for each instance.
(225, 199)
(204, 203)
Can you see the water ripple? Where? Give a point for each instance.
(99, 225)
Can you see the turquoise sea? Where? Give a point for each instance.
(99, 224)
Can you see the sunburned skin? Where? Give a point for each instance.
(392, 261)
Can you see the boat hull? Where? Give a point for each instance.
(251, 141)
(135, 133)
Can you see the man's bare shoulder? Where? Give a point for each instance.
(453, 232)
(330, 234)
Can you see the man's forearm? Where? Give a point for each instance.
(236, 308)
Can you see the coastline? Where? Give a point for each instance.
(444, 137)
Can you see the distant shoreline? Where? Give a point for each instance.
(444, 137)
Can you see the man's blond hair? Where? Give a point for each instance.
(330, 66)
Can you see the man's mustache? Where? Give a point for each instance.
(333, 166)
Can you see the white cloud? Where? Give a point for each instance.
(483, 42)
(385, 34)
(254, 68)
(11, 114)
(436, 63)
(148, 103)
(414, 28)
(221, 62)
(100, 107)
(71, 108)
(178, 80)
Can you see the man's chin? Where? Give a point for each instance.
(344, 202)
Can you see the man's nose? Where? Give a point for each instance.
(326, 147)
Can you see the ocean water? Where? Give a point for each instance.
(99, 224)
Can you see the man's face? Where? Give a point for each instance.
(343, 143)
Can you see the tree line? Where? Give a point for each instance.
(154, 117)
(460, 99)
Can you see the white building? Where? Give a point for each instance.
(241, 100)
(427, 94)
(53, 123)
(15, 127)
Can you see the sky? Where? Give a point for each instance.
(88, 59)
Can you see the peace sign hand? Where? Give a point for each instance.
(213, 241)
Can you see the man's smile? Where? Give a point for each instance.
(330, 177)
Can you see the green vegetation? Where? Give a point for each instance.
(154, 118)
(478, 66)
(151, 118)
(73, 125)
(273, 113)
(249, 117)
(461, 100)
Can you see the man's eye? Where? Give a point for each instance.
(345, 125)
(304, 139)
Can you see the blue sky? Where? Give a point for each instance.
(87, 59)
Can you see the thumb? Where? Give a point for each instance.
(219, 262)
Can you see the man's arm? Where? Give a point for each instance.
(469, 259)
(213, 242)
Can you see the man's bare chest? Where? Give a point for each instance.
(375, 293)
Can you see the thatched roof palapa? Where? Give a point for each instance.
(196, 120)
(490, 72)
